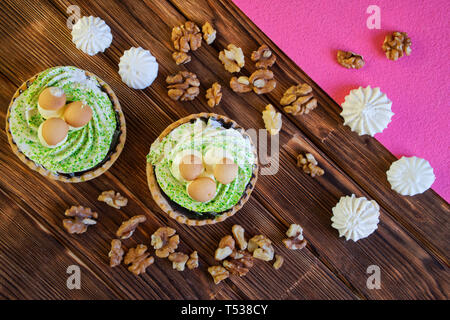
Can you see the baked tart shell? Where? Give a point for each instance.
(169, 207)
(89, 174)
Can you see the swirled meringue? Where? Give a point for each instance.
(91, 35)
(355, 218)
(138, 68)
(410, 175)
(367, 110)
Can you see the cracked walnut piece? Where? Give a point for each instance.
(298, 99)
(82, 218)
(261, 247)
(214, 95)
(397, 44)
(186, 37)
(263, 57)
(116, 253)
(209, 33)
(232, 59)
(218, 273)
(192, 263)
(309, 164)
(128, 227)
(183, 86)
(225, 248)
(279, 260)
(181, 57)
(240, 265)
(139, 259)
(295, 240)
(350, 60)
(164, 241)
(262, 81)
(240, 85)
(113, 199)
(272, 120)
(239, 235)
(179, 260)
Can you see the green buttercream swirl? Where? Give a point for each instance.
(201, 136)
(84, 148)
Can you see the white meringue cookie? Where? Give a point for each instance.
(410, 175)
(91, 35)
(367, 110)
(355, 218)
(138, 68)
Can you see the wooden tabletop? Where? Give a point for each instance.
(410, 246)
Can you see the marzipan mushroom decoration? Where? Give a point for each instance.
(60, 117)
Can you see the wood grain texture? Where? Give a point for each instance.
(410, 245)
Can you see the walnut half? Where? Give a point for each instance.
(262, 81)
(128, 227)
(214, 95)
(218, 273)
(209, 33)
(164, 241)
(279, 260)
(116, 253)
(232, 58)
(299, 99)
(82, 218)
(350, 60)
(139, 259)
(261, 247)
(240, 265)
(239, 235)
(179, 260)
(396, 45)
(263, 57)
(272, 120)
(192, 263)
(295, 240)
(186, 37)
(226, 247)
(113, 199)
(183, 86)
(309, 164)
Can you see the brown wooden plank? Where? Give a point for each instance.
(148, 112)
(29, 252)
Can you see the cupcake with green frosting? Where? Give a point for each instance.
(67, 124)
(202, 169)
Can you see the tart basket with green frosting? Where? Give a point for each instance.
(202, 169)
(66, 124)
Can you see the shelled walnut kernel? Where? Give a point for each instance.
(82, 218)
(214, 95)
(183, 86)
(192, 263)
(139, 259)
(232, 58)
(299, 100)
(263, 57)
(209, 33)
(350, 60)
(272, 120)
(128, 227)
(396, 45)
(164, 241)
(225, 248)
(116, 253)
(178, 260)
(309, 164)
(295, 240)
(113, 199)
(218, 273)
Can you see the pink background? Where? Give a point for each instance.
(310, 32)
